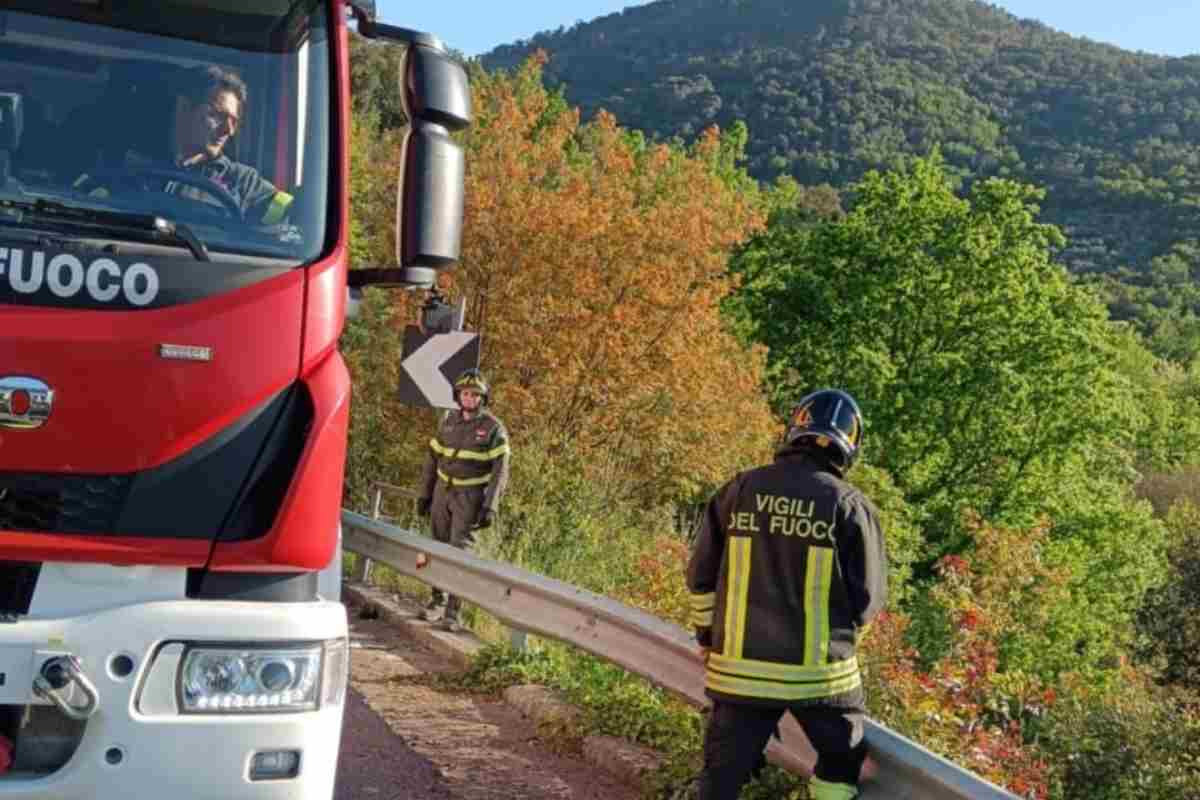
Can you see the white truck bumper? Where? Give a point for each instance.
(136, 746)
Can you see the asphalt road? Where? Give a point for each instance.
(376, 764)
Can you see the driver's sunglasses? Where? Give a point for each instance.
(221, 116)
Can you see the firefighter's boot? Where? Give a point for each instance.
(450, 617)
(435, 608)
(824, 790)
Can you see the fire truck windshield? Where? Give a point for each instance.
(212, 115)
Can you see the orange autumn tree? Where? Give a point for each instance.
(593, 265)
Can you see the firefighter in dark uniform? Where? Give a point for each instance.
(465, 476)
(208, 112)
(789, 566)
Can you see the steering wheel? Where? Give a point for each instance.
(128, 176)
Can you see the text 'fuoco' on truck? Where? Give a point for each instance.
(173, 408)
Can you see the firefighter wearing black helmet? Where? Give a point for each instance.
(788, 568)
(465, 475)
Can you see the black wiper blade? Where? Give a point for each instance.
(184, 234)
(157, 226)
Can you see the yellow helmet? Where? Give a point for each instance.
(471, 379)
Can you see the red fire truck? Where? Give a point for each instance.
(173, 407)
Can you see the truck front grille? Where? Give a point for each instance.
(61, 503)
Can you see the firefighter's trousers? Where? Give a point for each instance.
(453, 515)
(737, 735)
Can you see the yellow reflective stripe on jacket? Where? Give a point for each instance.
(702, 609)
(779, 672)
(480, 481)
(490, 455)
(824, 790)
(278, 209)
(737, 591)
(775, 690)
(436, 446)
(469, 455)
(816, 605)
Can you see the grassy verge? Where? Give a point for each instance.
(614, 702)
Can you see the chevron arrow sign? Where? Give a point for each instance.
(430, 363)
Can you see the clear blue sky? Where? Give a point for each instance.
(1167, 27)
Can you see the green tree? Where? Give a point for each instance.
(1164, 431)
(989, 380)
(1169, 621)
(980, 365)
(375, 81)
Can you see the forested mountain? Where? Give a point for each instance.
(833, 88)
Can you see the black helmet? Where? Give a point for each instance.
(471, 379)
(825, 417)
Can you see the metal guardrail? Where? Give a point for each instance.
(362, 571)
(661, 652)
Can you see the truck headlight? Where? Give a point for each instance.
(222, 680)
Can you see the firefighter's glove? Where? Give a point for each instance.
(424, 505)
(485, 518)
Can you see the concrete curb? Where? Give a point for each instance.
(543, 706)
(625, 760)
(629, 761)
(405, 614)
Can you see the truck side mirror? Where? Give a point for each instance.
(429, 207)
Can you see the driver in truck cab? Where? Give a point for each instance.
(208, 111)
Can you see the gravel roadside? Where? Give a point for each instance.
(405, 738)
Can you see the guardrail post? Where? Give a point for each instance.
(362, 571)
